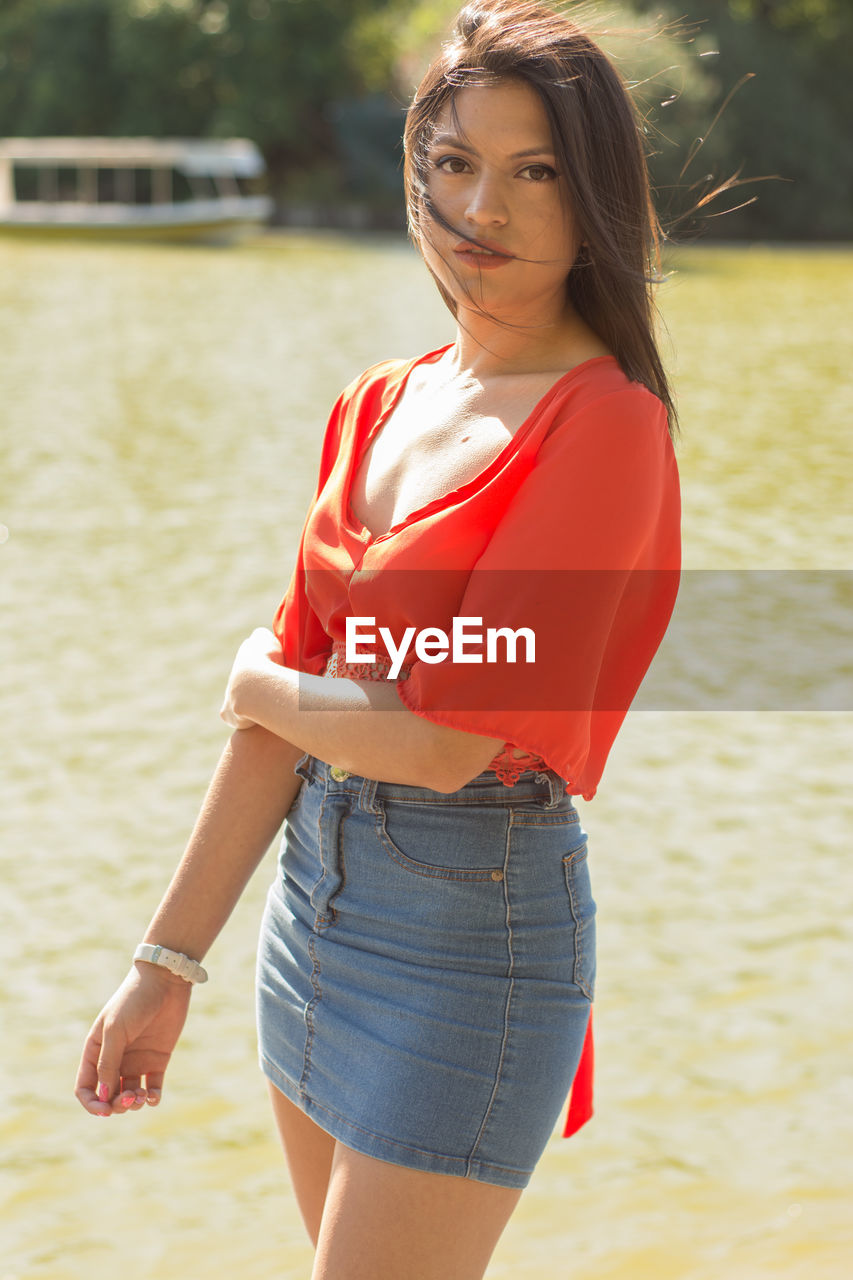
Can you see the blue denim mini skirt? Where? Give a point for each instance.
(426, 967)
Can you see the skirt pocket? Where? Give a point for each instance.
(437, 841)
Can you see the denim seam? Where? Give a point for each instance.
(321, 849)
(309, 1016)
(315, 962)
(551, 820)
(507, 1003)
(328, 917)
(341, 868)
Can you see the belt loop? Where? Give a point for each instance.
(556, 786)
(303, 767)
(367, 797)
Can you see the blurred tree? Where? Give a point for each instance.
(56, 74)
(826, 15)
(790, 121)
(163, 60)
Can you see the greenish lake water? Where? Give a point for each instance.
(162, 410)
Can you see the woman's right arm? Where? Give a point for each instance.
(252, 789)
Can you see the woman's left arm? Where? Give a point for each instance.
(358, 725)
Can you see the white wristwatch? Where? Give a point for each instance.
(175, 961)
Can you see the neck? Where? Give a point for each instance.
(534, 344)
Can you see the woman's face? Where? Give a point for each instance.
(492, 173)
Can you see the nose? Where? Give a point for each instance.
(486, 203)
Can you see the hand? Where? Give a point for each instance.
(254, 654)
(132, 1037)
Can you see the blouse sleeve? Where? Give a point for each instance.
(586, 557)
(304, 642)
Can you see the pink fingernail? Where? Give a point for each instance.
(103, 1093)
(128, 1102)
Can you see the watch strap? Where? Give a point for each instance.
(175, 961)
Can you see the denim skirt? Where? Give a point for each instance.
(426, 967)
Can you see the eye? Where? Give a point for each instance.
(540, 173)
(451, 164)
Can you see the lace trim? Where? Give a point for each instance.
(506, 765)
(336, 665)
(510, 767)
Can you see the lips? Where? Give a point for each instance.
(466, 248)
(482, 256)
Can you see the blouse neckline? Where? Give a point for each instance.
(361, 531)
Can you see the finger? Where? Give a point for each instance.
(86, 1084)
(109, 1065)
(154, 1087)
(132, 1095)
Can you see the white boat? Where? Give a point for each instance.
(132, 188)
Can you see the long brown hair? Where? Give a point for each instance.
(598, 142)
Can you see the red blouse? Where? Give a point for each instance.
(572, 533)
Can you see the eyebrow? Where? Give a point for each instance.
(451, 140)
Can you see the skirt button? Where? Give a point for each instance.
(339, 775)
(497, 875)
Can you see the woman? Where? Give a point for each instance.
(426, 963)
